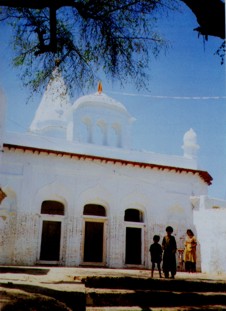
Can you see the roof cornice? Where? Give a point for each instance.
(204, 175)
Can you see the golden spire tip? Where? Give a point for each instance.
(99, 87)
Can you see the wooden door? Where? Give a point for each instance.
(50, 242)
(133, 245)
(93, 245)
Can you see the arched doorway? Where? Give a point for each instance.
(133, 237)
(94, 248)
(52, 213)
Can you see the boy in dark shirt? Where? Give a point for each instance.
(156, 254)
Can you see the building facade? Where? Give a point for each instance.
(74, 192)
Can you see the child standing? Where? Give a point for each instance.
(169, 246)
(156, 254)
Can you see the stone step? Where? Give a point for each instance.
(122, 292)
(150, 298)
(185, 285)
(137, 308)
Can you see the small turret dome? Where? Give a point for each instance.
(190, 145)
(190, 137)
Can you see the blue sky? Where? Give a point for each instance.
(187, 90)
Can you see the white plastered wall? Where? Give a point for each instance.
(162, 196)
(209, 219)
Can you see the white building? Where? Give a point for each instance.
(78, 194)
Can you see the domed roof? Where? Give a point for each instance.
(99, 99)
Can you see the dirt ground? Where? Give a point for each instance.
(41, 288)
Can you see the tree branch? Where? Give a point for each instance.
(210, 16)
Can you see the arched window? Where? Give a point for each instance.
(133, 215)
(52, 208)
(104, 130)
(118, 134)
(94, 210)
(89, 129)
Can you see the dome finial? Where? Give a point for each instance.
(190, 145)
(99, 87)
